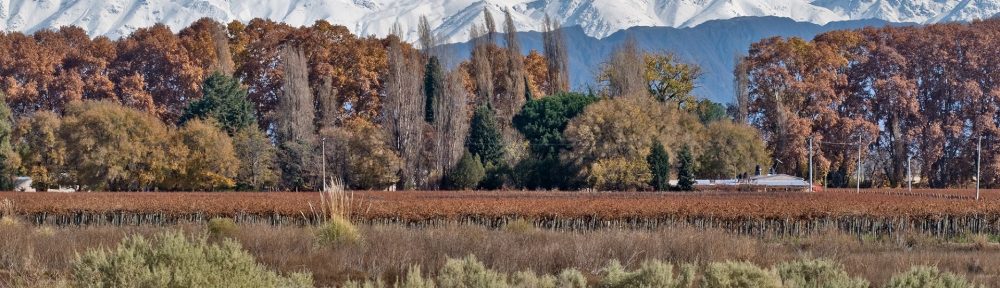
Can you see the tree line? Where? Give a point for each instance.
(266, 106)
(916, 97)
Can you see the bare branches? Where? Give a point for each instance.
(555, 52)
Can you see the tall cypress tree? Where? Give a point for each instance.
(433, 87)
(224, 100)
(9, 161)
(685, 173)
(485, 139)
(659, 165)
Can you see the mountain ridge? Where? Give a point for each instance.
(711, 45)
(452, 18)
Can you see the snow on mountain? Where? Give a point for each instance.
(452, 18)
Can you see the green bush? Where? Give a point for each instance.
(651, 273)
(739, 275)
(927, 277)
(571, 278)
(415, 279)
(528, 279)
(338, 230)
(467, 174)
(171, 260)
(222, 228)
(819, 273)
(469, 273)
(365, 284)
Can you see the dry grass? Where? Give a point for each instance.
(43, 253)
(7, 216)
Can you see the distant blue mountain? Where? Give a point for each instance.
(712, 45)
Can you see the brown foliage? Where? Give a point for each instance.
(900, 91)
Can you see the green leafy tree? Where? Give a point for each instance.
(224, 100)
(40, 148)
(485, 139)
(9, 161)
(685, 170)
(709, 111)
(659, 166)
(543, 121)
(467, 174)
(433, 87)
(670, 80)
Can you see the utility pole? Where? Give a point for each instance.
(859, 164)
(811, 164)
(979, 153)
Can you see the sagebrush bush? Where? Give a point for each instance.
(171, 260)
(571, 278)
(365, 284)
(415, 279)
(817, 273)
(739, 275)
(469, 273)
(528, 279)
(222, 228)
(652, 273)
(928, 277)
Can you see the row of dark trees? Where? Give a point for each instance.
(266, 106)
(929, 93)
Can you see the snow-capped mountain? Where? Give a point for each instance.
(452, 18)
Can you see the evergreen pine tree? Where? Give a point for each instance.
(224, 100)
(485, 139)
(467, 173)
(659, 165)
(433, 87)
(685, 173)
(9, 161)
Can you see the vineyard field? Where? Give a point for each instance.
(872, 211)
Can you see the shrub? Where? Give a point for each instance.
(571, 278)
(651, 273)
(468, 173)
(739, 274)
(171, 260)
(520, 226)
(365, 284)
(338, 230)
(927, 277)
(222, 228)
(469, 273)
(528, 279)
(817, 273)
(415, 279)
